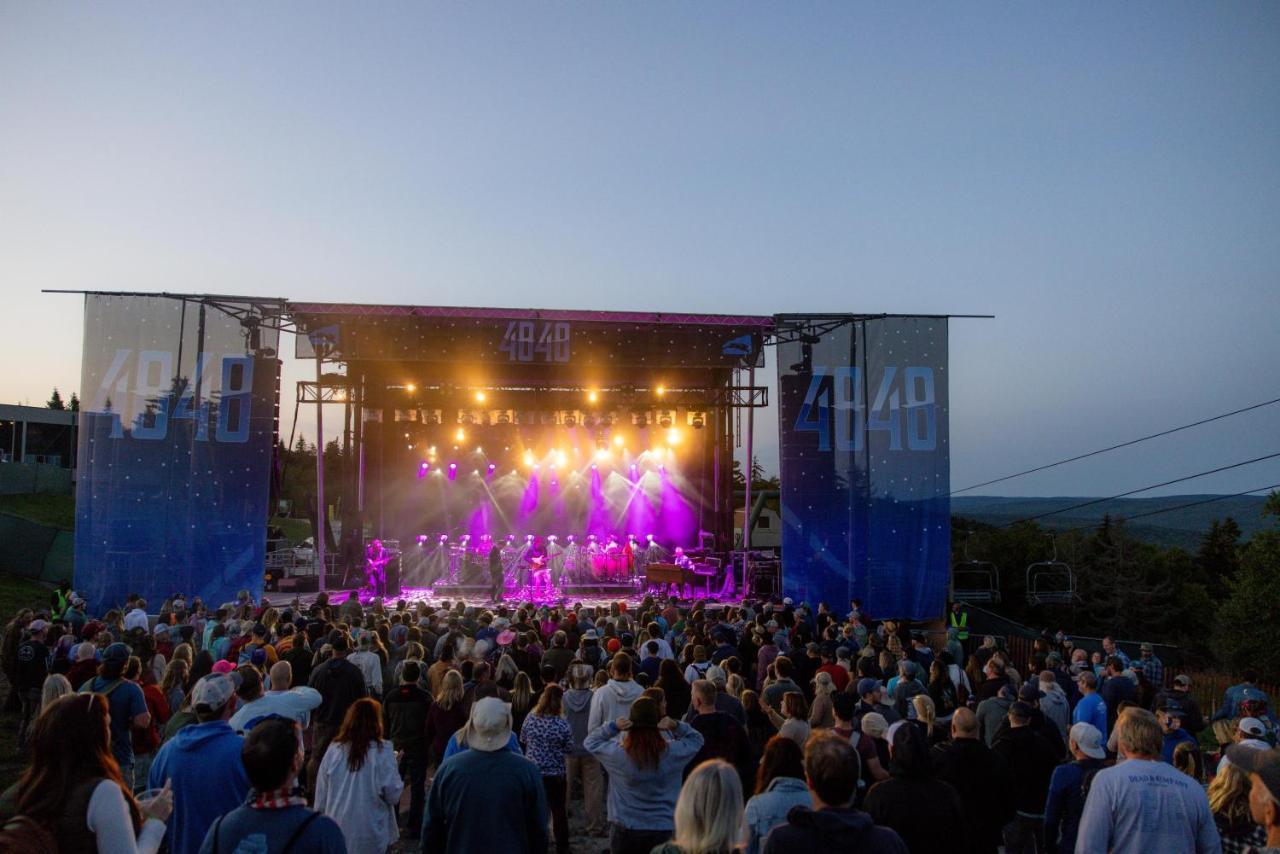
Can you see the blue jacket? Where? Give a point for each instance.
(1066, 803)
(1092, 709)
(644, 798)
(768, 809)
(203, 761)
(1171, 742)
(486, 801)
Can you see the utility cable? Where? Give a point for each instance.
(1094, 501)
(1121, 445)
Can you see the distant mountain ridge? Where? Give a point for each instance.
(1182, 527)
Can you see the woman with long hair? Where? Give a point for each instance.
(759, 728)
(73, 790)
(358, 783)
(55, 685)
(446, 715)
(926, 718)
(522, 700)
(793, 723)
(645, 767)
(942, 691)
(677, 691)
(201, 667)
(709, 812)
(505, 673)
(734, 686)
(174, 683)
(1229, 803)
(547, 739)
(780, 786)
(822, 715)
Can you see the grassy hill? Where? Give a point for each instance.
(1182, 527)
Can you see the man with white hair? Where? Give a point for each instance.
(369, 663)
(461, 812)
(1143, 805)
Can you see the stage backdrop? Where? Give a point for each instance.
(865, 466)
(176, 432)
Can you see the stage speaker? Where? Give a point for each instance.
(393, 577)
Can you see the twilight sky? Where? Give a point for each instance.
(1105, 179)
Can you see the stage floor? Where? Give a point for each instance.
(590, 596)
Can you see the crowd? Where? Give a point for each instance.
(684, 728)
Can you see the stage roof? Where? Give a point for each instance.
(582, 316)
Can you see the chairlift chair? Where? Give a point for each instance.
(1051, 582)
(974, 580)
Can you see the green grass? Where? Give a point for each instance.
(56, 510)
(295, 530)
(16, 593)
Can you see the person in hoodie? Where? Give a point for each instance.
(779, 787)
(1032, 759)
(404, 711)
(832, 826)
(579, 764)
(1069, 787)
(992, 712)
(203, 761)
(924, 811)
(1055, 705)
(613, 700)
(982, 778)
(1030, 694)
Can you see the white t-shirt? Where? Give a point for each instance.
(136, 619)
(108, 818)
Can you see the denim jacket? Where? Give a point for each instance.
(768, 809)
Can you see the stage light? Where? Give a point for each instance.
(410, 387)
(422, 539)
(461, 435)
(406, 435)
(431, 450)
(665, 421)
(661, 391)
(453, 466)
(673, 437)
(650, 538)
(479, 450)
(528, 458)
(593, 396)
(698, 422)
(618, 440)
(480, 397)
(594, 467)
(493, 467)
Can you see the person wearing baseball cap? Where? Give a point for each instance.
(1032, 759)
(1263, 770)
(1180, 693)
(1068, 785)
(29, 674)
(125, 701)
(203, 760)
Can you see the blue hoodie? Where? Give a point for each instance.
(209, 780)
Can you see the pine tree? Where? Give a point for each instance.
(1249, 619)
(1218, 557)
(55, 400)
(75, 402)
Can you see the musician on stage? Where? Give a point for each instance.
(376, 558)
(495, 572)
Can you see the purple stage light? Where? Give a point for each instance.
(453, 470)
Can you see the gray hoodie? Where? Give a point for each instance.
(1056, 708)
(577, 710)
(612, 701)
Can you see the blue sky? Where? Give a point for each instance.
(1102, 178)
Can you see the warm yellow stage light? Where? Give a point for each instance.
(528, 458)
(661, 390)
(411, 388)
(592, 396)
(461, 435)
(673, 437)
(619, 441)
(479, 397)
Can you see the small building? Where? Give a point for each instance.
(767, 531)
(34, 434)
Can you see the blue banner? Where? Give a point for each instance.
(865, 465)
(176, 439)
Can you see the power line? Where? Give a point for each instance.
(1094, 501)
(1121, 445)
(1203, 501)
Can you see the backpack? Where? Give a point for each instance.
(86, 689)
(21, 835)
(288, 846)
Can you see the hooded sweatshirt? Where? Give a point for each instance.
(1057, 708)
(612, 701)
(834, 831)
(577, 710)
(209, 780)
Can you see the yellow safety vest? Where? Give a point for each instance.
(961, 626)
